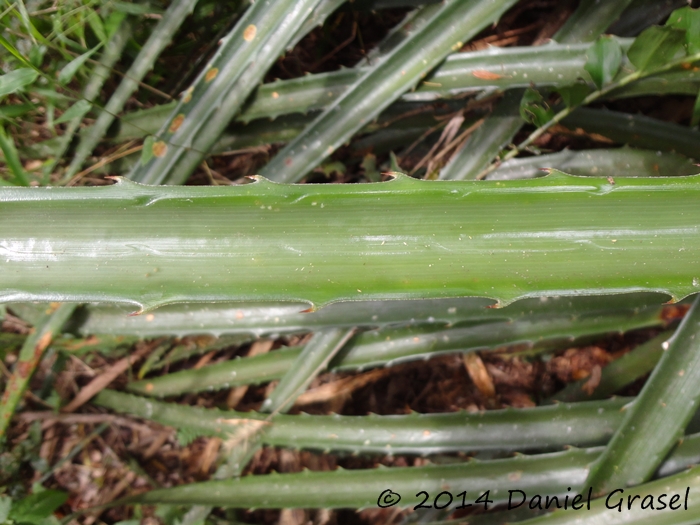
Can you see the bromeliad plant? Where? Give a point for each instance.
(379, 272)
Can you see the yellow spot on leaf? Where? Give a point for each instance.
(159, 149)
(150, 317)
(187, 95)
(249, 33)
(176, 123)
(275, 94)
(211, 74)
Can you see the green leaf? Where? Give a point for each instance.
(135, 9)
(534, 109)
(574, 94)
(70, 69)
(36, 55)
(394, 163)
(97, 26)
(36, 507)
(655, 47)
(12, 161)
(16, 80)
(5, 507)
(7, 45)
(77, 110)
(369, 166)
(333, 167)
(113, 22)
(687, 19)
(187, 434)
(604, 59)
(15, 110)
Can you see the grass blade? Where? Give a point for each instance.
(160, 37)
(9, 152)
(112, 53)
(29, 356)
(400, 71)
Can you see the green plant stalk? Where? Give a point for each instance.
(312, 360)
(326, 7)
(398, 117)
(483, 145)
(675, 489)
(271, 320)
(187, 349)
(397, 132)
(413, 23)
(592, 97)
(404, 239)
(517, 67)
(685, 82)
(206, 108)
(619, 373)
(317, 17)
(112, 53)
(618, 162)
(29, 356)
(399, 71)
(392, 345)
(640, 14)
(288, 318)
(546, 474)
(265, 319)
(588, 21)
(550, 427)
(658, 418)
(160, 37)
(637, 130)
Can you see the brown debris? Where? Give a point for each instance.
(578, 363)
(103, 380)
(479, 374)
